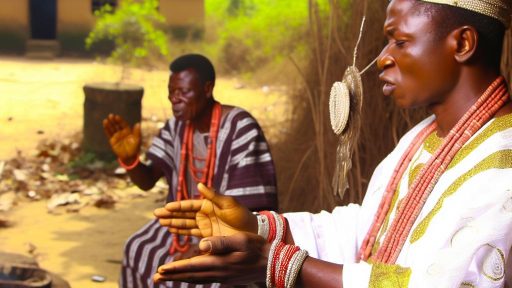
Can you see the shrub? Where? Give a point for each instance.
(136, 30)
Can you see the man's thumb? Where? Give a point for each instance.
(207, 193)
(136, 131)
(220, 200)
(219, 245)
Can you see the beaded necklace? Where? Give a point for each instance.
(204, 175)
(485, 107)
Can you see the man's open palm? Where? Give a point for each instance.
(124, 140)
(215, 215)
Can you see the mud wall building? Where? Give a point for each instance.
(63, 25)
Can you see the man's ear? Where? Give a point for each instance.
(208, 89)
(466, 41)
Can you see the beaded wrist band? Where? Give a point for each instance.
(271, 226)
(284, 264)
(131, 166)
(263, 226)
(295, 265)
(284, 261)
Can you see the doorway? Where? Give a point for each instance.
(43, 19)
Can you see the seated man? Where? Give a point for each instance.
(438, 209)
(205, 142)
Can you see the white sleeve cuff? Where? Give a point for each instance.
(356, 275)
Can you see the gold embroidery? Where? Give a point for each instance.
(494, 264)
(467, 285)
(389, 276)
(432, 142)
(498, 160)
(414, 173)
(499, 124)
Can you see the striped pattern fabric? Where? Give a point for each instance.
(243, 169)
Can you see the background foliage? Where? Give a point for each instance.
(250, 34)
(135, 28)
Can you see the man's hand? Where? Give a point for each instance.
(191, 252)
(238, 259)
(124, 140)
(215, 215)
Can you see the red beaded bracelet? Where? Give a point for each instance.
(131, 166)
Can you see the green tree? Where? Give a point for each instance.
(136, 30)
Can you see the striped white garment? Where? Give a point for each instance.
(243, 169)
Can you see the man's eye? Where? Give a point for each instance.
(399, 43)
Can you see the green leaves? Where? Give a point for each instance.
(253, 33)
(136, 29)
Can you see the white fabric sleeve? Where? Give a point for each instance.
(332, 237)
(327, 236)
(356, 275)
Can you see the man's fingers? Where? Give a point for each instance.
(179, 223)
(118, 135)
(184, 215)
(184, 206)
(194, 278)
(207, 193)
(224, 244)
(136, 131)
(164, 213)
(114, 121)
(107, 128)
(195, 264)
(191, 232)
(121, 122)
(219, 200)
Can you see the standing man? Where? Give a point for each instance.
(438, 209)
(205, 142)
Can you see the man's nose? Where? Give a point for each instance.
(384, 60)
(174, 97)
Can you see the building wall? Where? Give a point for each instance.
(14, 14)
(74, 21)
(74, 15)
(14, 28)
(183, 12)
(185, 19)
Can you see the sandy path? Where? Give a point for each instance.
(43, 99)
(77, 246)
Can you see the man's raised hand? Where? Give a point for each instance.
(124, 140)
(215, 215)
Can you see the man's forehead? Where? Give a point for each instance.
(396, 11)
(185, 73)
(498, 9)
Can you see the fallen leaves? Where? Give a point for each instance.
(68, 179)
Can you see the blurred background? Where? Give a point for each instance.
(70, 209)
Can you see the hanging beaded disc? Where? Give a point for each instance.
(345, 113)
(339, 106)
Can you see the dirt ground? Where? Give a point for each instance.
(44, 100)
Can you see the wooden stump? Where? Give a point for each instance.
(102, 99)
